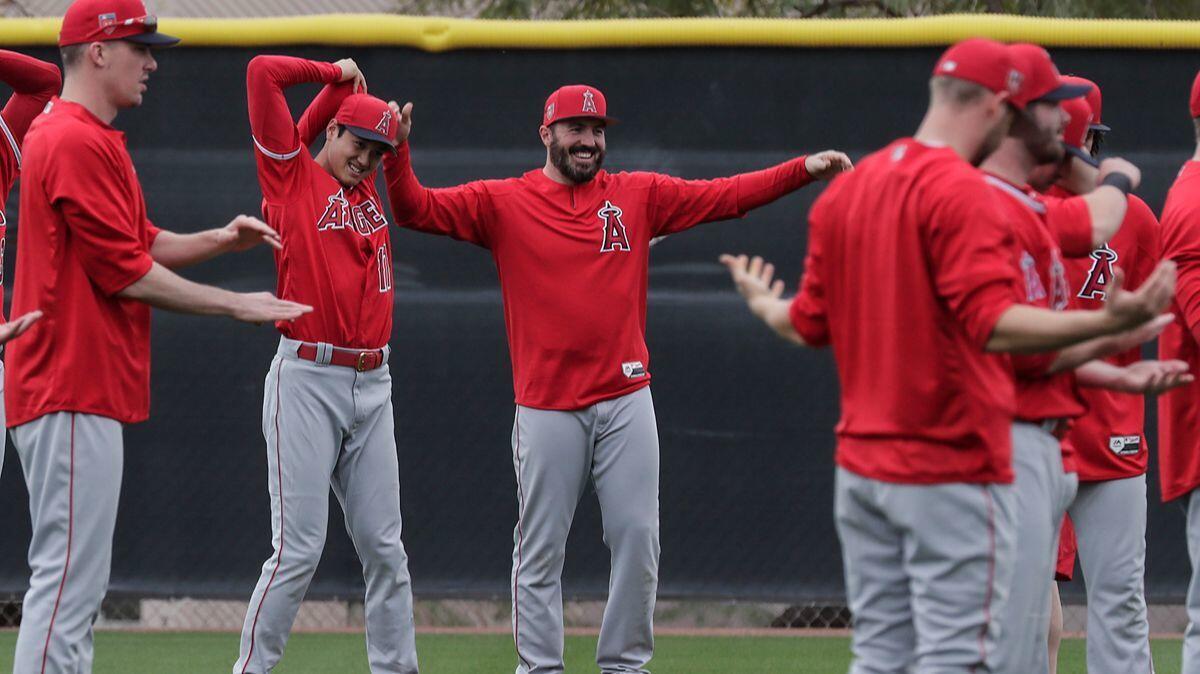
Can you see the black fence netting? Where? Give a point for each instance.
(746, 421)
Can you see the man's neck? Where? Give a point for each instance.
(1196, 154)
(1011, 161)
(79, 92)
(942, 127)
(551, 172)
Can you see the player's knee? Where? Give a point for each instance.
(632, 533)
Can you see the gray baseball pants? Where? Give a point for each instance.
(1110, 526)
(614, 443)
(327, 425)
(72, 464)
(1191, 635)
(1043, 492)
(927, 569)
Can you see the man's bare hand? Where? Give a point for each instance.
(1153, 376)
(264, 307)
(350, 71)
(753, 278)
(16, 327)
(405, 116)
(1118, 165)
(825, 165)
(1148, 301)
(245, 232)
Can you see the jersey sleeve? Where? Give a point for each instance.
(1071, 223)
(809, 310)
(460, 212)
(276, 137)
(679, 204)
(1181, 243)
(33, 83)
(110, 247)
(970, 248)
(321, 110)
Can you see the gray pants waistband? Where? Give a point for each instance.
(288, 348)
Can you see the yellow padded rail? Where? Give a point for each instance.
(436, 34)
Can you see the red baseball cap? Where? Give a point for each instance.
(982, 61)
(576, 100)
(1094, 101)
(1040, 80)
(1195, 106)
(369, 118)
(103, 20)
(1080, 117)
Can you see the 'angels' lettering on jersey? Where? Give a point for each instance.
(365, 218)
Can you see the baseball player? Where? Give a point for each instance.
(1109, 510)
(909, 277)
(571, 245)
(1179, 411)
(33, 83)
(327, 408)
(90, 258)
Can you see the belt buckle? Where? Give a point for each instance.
(362, 361)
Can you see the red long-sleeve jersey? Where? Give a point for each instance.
(909, 268)
(336, 253)
(573, 261)
(33, 83)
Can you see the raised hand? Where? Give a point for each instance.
(825, 165)
(1118, 165)
(753, 278)
(245, 232)
(350, 71)
(405, 116)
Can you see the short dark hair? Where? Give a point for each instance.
(341, 130)
(1097, 142)
(72, 53)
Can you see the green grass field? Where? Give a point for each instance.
(190, 653)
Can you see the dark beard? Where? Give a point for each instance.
(560, 157)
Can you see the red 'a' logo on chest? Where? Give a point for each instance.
(1100, 275)
(615, 237)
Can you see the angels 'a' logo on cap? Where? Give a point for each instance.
(385, 123)
(550, 111)
(589, 102)
(1015, 78)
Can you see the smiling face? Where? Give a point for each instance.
(575, 147)
(350, 158)
(125, 69)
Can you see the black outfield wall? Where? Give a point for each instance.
(745, 420)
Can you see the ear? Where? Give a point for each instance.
(331, 131)
(96, 54)
(546, 134)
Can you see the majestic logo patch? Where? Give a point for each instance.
(633, 369)
(1125, 445)
(364, 218)
(589, 101)
(615, 236)
(1100, 275)
(385, 123)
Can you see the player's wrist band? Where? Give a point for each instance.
(1119, 181)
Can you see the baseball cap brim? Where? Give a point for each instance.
(153, 39)
(1087, 158)
(366, 134)
(1065, 92)
(1102, 128)
(607, 120)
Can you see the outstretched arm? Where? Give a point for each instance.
(1026, 329)
(458, 212)
(764, 296)
(33, 83)
(174, 251)
(162, 288)
(681, 204)
(1144, 376)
